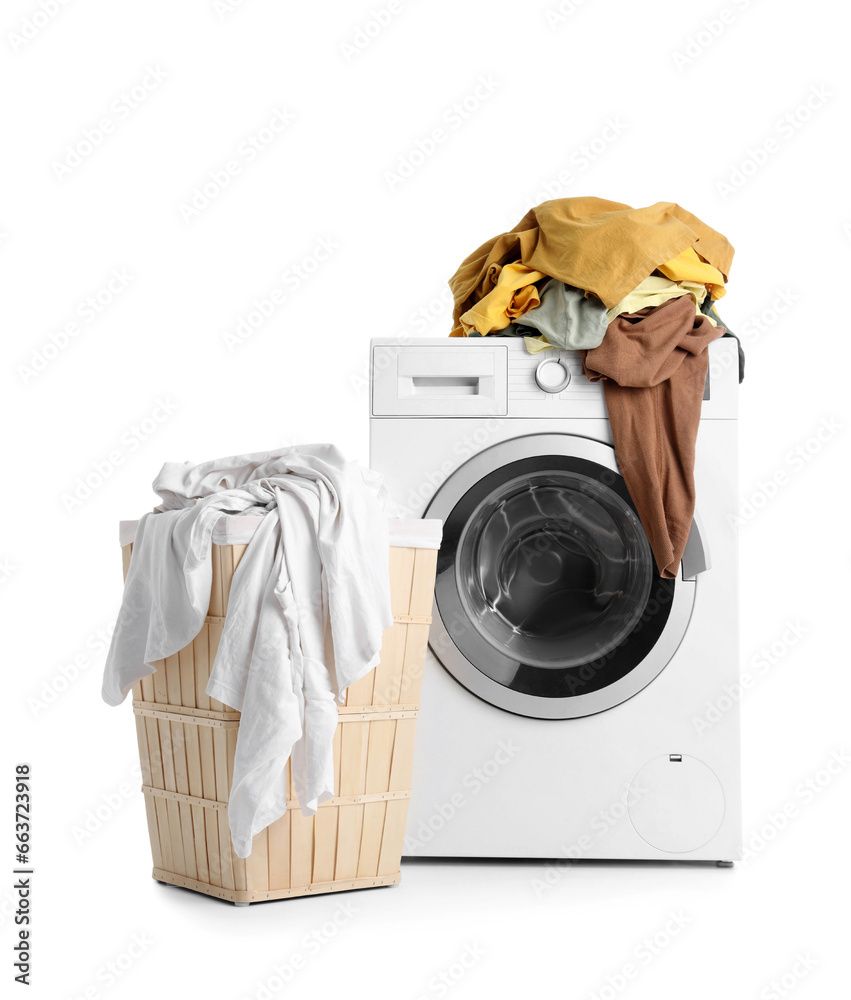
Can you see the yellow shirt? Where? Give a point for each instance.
(687, 266)
(513, 295)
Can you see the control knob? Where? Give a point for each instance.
(552, 375)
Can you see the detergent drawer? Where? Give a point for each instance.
(441, 381)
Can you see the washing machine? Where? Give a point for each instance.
(575, 704)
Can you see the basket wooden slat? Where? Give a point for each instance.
(187, 743)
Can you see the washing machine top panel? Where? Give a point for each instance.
(548, 602)
(495, 376)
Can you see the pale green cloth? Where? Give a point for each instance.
(565, 317)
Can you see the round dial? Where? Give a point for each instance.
(552, 375)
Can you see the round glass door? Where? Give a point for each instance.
(548, 601)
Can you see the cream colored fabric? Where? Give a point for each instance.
(655, 290)
(535, 345)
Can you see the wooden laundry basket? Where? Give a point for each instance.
(187, 742)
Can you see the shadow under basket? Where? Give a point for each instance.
(187, 742)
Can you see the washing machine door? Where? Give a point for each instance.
(548, 602)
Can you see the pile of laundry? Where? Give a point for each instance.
(633, 291)
(308, 606)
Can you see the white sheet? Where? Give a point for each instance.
(309, 603)
(238, 530)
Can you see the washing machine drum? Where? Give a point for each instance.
(548, 601)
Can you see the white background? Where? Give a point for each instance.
(690, 108)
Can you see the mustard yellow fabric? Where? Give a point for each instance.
(655, 290)
(513, 294)
(687, 266)
(600, 246)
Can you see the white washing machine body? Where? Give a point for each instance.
(615, 735)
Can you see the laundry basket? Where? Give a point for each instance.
(187, 742)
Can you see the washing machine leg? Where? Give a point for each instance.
(723, 864)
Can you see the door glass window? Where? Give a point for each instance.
(554, 569)
(546, 582)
